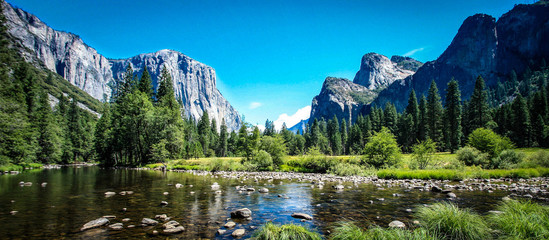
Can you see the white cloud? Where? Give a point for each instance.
(254, 105)
(301, 114)
(410, 53)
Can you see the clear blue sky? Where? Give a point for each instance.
(271, 56)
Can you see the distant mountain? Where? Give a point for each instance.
(345, 99)
(482, 46)
(301, 126)
(81, 65)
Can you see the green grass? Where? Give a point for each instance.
(447, 221)
(521, 220)
(469, 172)
(270, 231)
(10, 167)
(346, 230)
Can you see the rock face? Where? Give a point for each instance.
(482, 46)
(346, 99)
(342, 98)
(377, 72)
(66, 54)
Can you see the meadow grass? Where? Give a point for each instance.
(521, 220)
(270, 231)
(447, 221)
(349, 230)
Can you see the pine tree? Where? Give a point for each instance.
(204, 132)
(413, 110)
(48, 132)
(434, 114)
(422, 124)
(223, 144)
(521, 122)
(390, 117)
(145, 83)
(406, 133)
(478, 110)
(334, 136)
(166, 94)
(75, 132)
(452, 116)
(344, 137)
(269, 128)
(129, 82)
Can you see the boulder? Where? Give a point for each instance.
(397, 224)
(451, 195)
(302, 216)
(238, 233)
(242, 213)
(148, 222)
(263, 190)
(229, 224)
(436, 189)
(173, 230)
(95, 223)
(116, 226)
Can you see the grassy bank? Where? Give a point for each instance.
(20, 167)
(444, 166)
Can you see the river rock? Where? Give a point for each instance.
(229, 224)
(110, 194)
(171, 224)
(238, 233)
(148, 222)
(163, 203)
(162, 217)
(126, 220)
(13, 212)
(95, 223)
(109, 216)
(397, 224)
(263, 190)
(221, 231)
(250, 189)
(339, 187)
(116, 226)
(173, 230)
(44, 184)
(178, 185)
(166, 193)
(242, 213)
(302, 216)
(436, 189)
(451, 195)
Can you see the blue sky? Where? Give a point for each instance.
(271, 57)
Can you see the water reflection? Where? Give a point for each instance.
(74, 196)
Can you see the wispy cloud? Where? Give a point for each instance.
(254, 105)
(301, 114)
(410, 53)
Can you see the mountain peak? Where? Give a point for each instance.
(377, 72)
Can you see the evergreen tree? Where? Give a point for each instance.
(390, 117)
(48, 132)
(334, 136)
(422, 124)
(269, 128)
(521, 122)
(356, 142)
(145, 83)
(478, 110)
(75, 132)
(204, 132)
(434, 114)
(413, 110)
(344, 137)
(223, 142)
(129, 82)
(452, 116)
(406, 133)
(165, 95)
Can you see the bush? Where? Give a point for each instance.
(471, 156)
(382, 150)
(347, 231)
(540, 158)
(487, 141)
(348, 169)
(318, 163)
(270, 231)
(447, 221)
(507, 159)
(522, 220)
(262, 161)
(217, 164)
(423, 152)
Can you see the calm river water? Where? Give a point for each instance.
(73, 196)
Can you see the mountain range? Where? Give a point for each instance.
(67, 55)
(482, 47)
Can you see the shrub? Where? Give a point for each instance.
(447, 221)
(276, 147)
(423, 152)
(270, 231)
(487, 141)
(262, 161)
(506, 159)
(471, 156)
(382, 150)
(522, 220)
(540, 158)
(318, 163)
(348, 169)
(217, 164)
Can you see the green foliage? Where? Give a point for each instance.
(382, 150)
(270, 231)
(507, 159)
(489, 142)
(261, 160)
(438, 174)
(447, 221)
(276, 148)
(423, 153)
(349, 169)
(472, 156)
(218, 164)
(540, 158)
(521, 220)
(433, 117)
(452, 117)
(347, 230)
